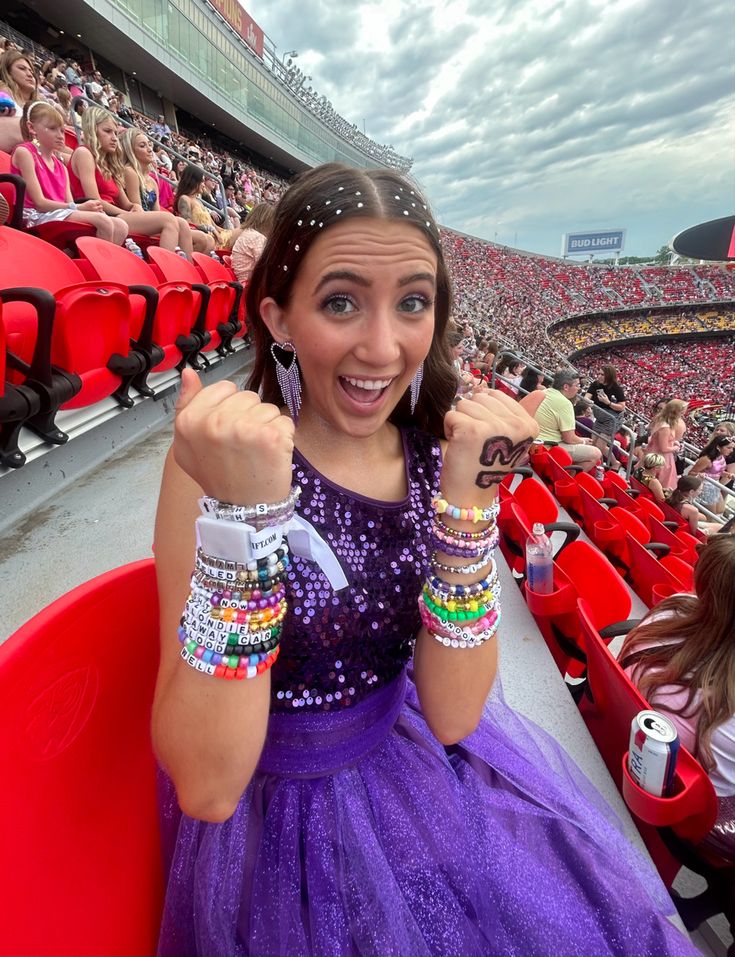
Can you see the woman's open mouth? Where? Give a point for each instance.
(365, 392)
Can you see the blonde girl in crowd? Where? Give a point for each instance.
(667, 431)
(141, 186)
(97, 172)
(48, 195)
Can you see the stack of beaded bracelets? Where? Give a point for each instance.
(232, 621)
(462, 616)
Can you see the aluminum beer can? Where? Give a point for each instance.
(652, 753)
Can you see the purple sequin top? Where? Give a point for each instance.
(337, 647)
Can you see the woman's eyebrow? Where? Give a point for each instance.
(417, 277)
(343, 274)
(346, 274)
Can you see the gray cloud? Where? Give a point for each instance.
(541, 115)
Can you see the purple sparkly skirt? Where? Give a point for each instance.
(361, 834)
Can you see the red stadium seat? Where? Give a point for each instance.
(164, 314)
(216, 304)
(608, 709)
(218, 276)
(529, 503)
(88, 331)
(580, 571)
(79, 837)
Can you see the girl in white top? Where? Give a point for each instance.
(682, 657)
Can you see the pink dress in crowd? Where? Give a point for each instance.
(53, 186)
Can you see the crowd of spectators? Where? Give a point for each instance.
(572, 334)
(701, 373)
(518, 295)
(59, 81)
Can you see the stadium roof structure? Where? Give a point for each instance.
(146, 37)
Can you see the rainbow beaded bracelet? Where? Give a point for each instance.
(472, 514)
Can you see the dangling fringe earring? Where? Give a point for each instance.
(287, 373)
(416, 387)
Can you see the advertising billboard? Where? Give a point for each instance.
(240, 22)
(602, 242)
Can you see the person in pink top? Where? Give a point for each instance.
(667, 431)
(712, 462)
(682, 657)
(48, 195)
(250, 242)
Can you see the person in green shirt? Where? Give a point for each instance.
(555, 417)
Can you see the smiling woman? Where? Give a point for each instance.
(349, 789)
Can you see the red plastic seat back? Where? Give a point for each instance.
(632, 524)
(79, 835)
(590, 484)
(595, 580)
(114, 263)
(615, 701)
(536, 501)
(560, 455)
(211, 270)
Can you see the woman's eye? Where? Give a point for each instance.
(414, 304)
(339, 305)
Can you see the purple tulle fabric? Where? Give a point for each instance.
(360, 834)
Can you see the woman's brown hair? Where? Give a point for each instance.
(694, 645)
(609, 375)
(317, 200)
(685, 485)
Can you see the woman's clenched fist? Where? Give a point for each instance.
(487, 435)
(237, 448)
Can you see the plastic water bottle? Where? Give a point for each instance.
(134, 248)
(539, 561)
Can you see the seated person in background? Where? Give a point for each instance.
(648, 472)
(141, 186)
(531, 391)
(97, 171)
(188, 205)
(681, 500)
(712, 462)
(682, 657)
(250, 242)
(48, 195)
(583, 421)
(555, 416)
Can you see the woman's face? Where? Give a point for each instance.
(361, 317)
(727, 448)
(21, 72)
(107, 136)
(143, 150)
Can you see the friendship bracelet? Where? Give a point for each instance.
(449, 588)
(226, 647)
(459, 533)
(223, 671)
(447, 632)
(482, 562)
(261, 513)
(473, 514)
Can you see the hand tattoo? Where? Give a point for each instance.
(498, 450)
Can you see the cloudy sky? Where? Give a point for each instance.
(530, 118)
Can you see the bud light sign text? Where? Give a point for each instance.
(591, 244)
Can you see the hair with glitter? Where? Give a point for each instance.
(316, 201)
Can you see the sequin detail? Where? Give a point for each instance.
(337, 648)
